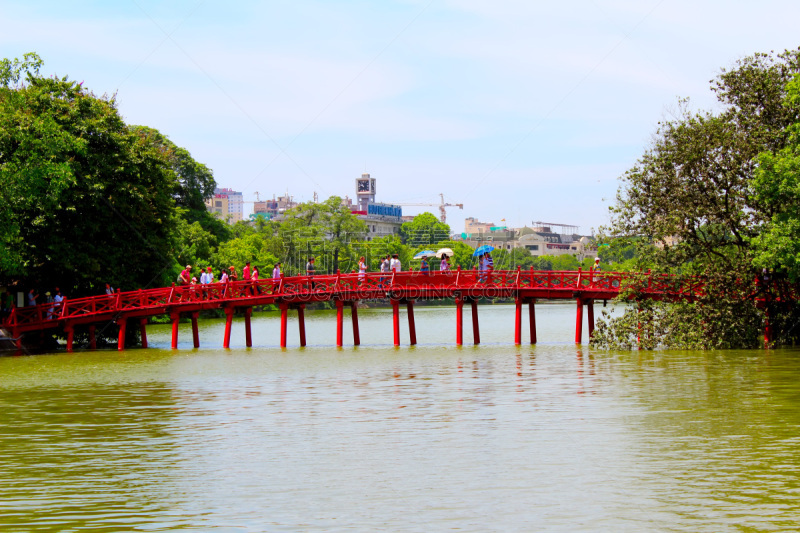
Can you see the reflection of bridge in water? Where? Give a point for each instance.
(346, 290)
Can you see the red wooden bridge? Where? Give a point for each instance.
(346, 290)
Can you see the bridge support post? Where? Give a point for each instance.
(70, 336)
(339, 323)
(175, 319)
(396, 321)
(92, 337)
(195, 331)
(476, 332)
(143, 331)
(412, 328)
(284, 318)
(248, 335)
(226, 341)
(301, 323)
(354, 316)
(459, 321)
(517, 321)
(532, 319)
(579, 322)
(590, 317)
(123, 322)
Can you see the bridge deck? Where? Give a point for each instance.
(295, 292)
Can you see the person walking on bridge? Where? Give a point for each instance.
(276, 277)
(362, 270)
(310, 272)
(384, 268)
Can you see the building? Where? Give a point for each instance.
(539, 240)
(276, 206)
(229, 204)
(382, 220)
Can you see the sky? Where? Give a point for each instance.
(520, 110)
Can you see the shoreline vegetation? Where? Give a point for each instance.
(89, 200)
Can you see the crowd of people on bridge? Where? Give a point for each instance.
(388, 264)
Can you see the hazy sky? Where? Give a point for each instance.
(520, 110)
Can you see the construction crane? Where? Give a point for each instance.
(441, 206)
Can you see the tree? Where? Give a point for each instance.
(777, 183)
(325, 229)
(195, 185)
(692, 194)
(84, 198)
(424, 229)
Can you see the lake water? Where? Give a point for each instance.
(552, 437)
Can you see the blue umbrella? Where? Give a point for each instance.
(424, 253)
(482, 250)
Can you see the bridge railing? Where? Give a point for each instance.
(40, 316)
(144, 299)
(90, 305)
(354, 285)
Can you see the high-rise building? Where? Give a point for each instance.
(228, 203)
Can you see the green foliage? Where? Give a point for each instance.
(701, 200)
(511, 259)
(565, 262)
(723, 318)
(777, 183)
(11, 71)
(261, 250)
(84, 199)
(424, 229)
(324, 230)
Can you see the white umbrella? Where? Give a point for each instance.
(442, 251)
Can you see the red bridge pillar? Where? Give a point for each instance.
(459, 321)
(532, 319)
(226, 341)
(339, 323)
(143, 331)
(518, 321)
(70, 335)
(396, 321)
(590, 317)
(92, 338)
(248, 336)
(476, 332)
(354, 316)
(284, 318)
(195, 331)
(412, 329)
(301, 323)
(579, 322)
(123, 322)
(175, 318)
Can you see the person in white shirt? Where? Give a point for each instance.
(395, 265)
(276, 272)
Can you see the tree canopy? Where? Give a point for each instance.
(424, 229)
(84, 198)
(714, 195)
